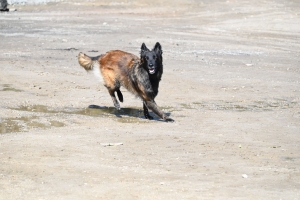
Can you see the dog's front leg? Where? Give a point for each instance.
(146, 112)
(152, 105)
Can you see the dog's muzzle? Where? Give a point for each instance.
(151, 69)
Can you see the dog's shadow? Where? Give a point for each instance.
(129, 112)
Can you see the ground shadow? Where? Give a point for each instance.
(128, 112)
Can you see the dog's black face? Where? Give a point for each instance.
(152, 60)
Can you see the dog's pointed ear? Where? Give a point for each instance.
(157, 48)
(144, 49)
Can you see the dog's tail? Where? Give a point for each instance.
(86, 61)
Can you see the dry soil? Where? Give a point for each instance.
(230, 82)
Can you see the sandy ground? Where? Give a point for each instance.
(231, 83)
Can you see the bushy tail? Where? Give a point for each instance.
(86, 61)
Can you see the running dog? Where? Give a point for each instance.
(140, 76)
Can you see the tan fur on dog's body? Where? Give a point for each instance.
(114, 66)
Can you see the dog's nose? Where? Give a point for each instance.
(150, 65)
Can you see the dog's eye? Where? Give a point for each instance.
(147, 58)
(154, 57)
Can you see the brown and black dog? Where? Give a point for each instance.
(140, 76)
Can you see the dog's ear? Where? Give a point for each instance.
(143, 49)
(157, 48)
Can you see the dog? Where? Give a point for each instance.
(140, 76)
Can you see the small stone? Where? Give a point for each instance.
(111, 144)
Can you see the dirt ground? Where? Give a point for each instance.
(231, 83)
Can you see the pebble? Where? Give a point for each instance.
(245, 176)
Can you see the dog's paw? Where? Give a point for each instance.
(169, 119)
(117, 105)
(148, 117)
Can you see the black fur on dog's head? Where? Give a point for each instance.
(152, 60)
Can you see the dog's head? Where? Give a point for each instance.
(152, 60)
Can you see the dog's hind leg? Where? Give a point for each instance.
(152, 105)
(114, 99)
(146, 112)
(120, 95)
(112, 87)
